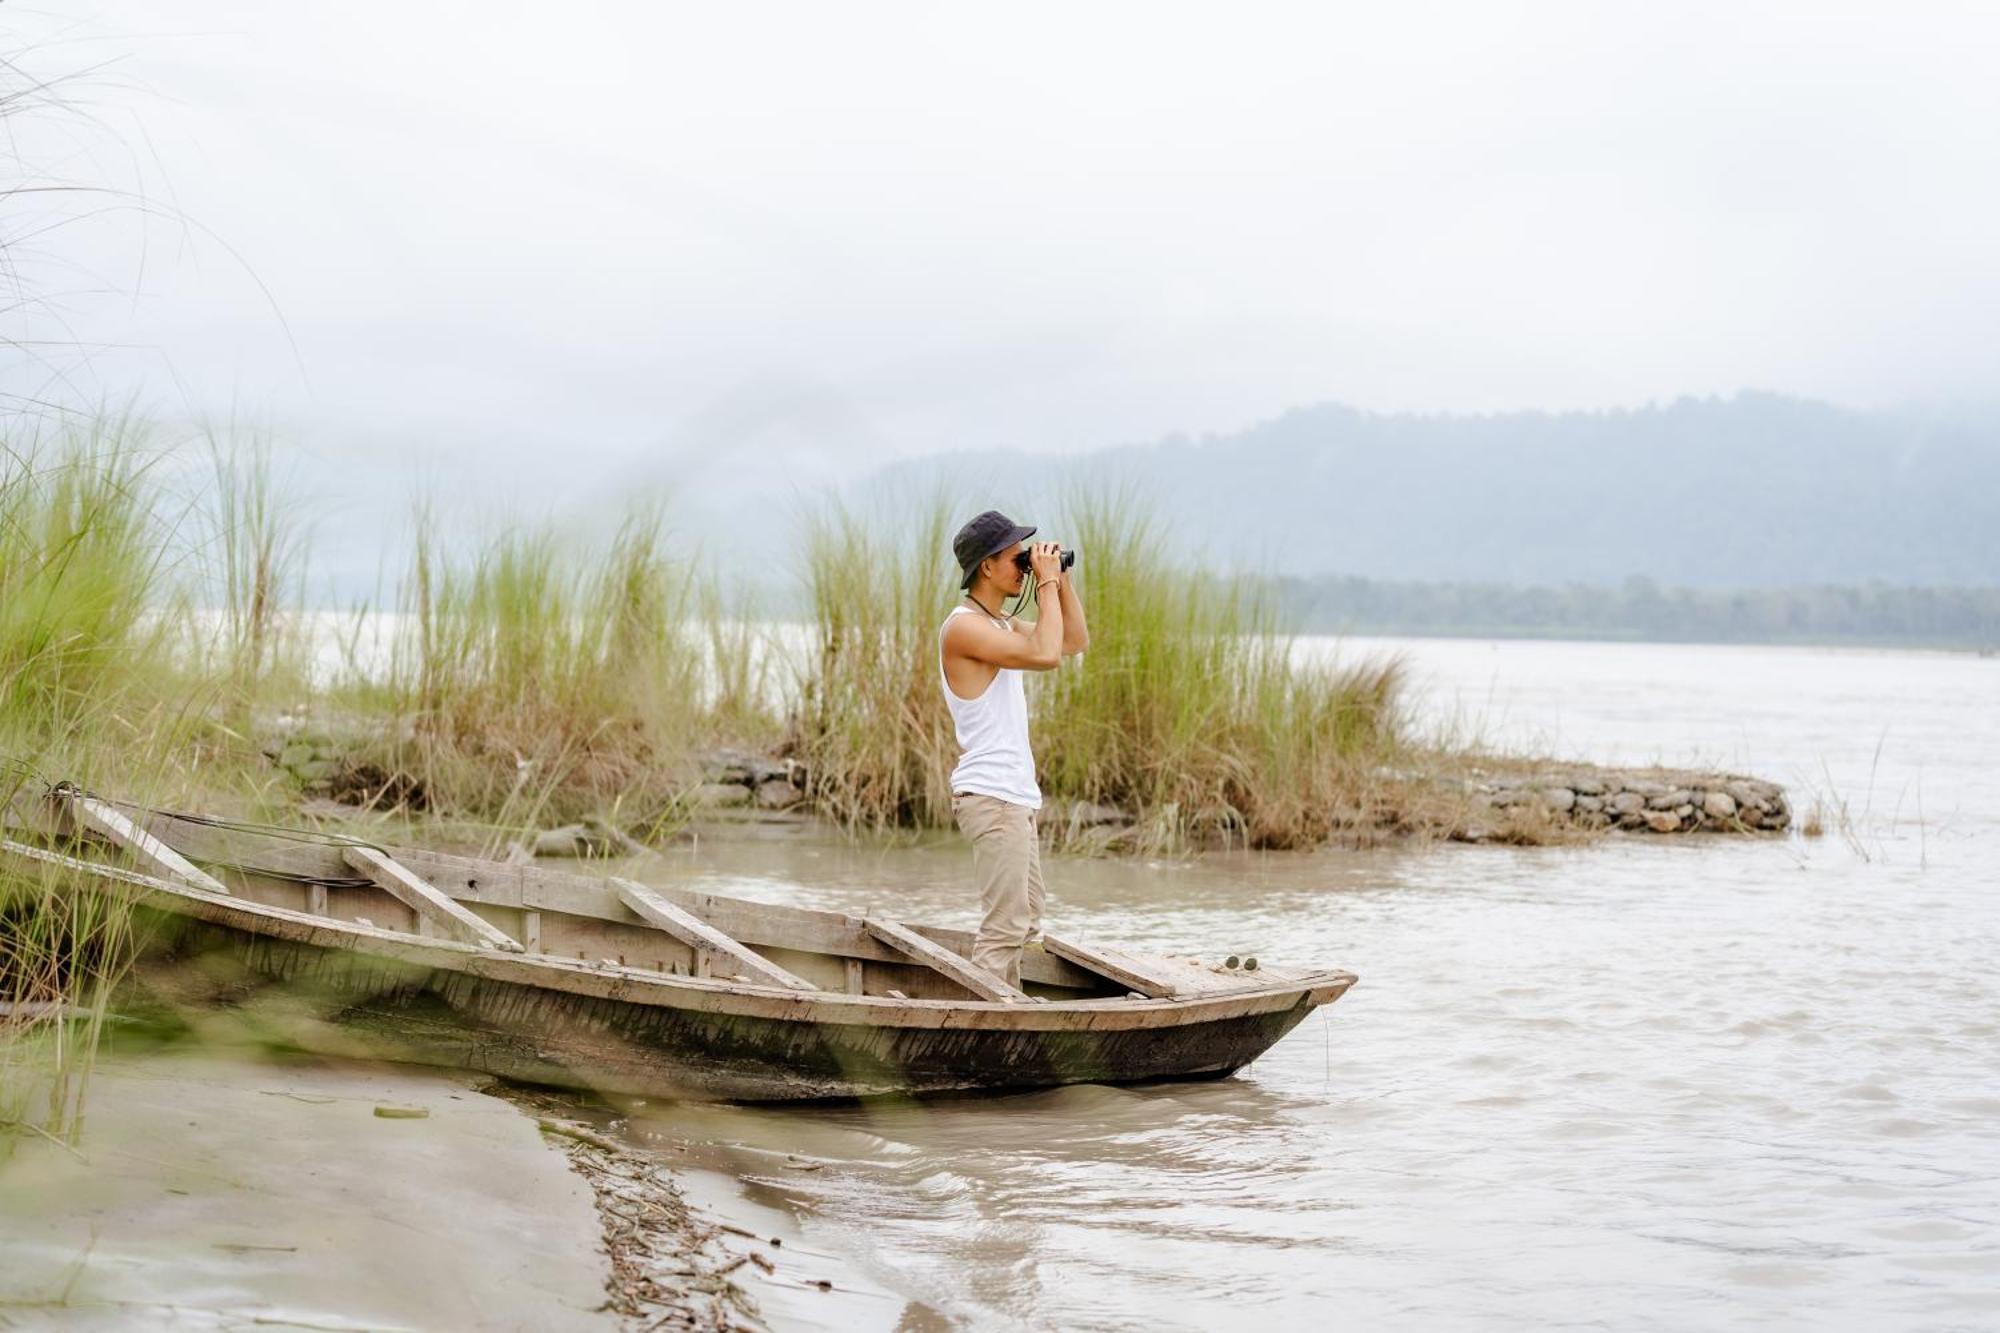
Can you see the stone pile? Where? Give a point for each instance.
(740, 779)
(1641, 800)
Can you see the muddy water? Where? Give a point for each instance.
(1649, 1084)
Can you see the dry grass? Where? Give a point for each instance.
(871, 724)
(543, 676)
(1191, 710)
(1194, 710)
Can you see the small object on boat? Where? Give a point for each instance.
(495, 966)
(1232, 962)
(1249, 964)
(402, 1113)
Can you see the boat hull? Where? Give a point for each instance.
(332, 1000)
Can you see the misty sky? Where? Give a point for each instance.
(624, 235)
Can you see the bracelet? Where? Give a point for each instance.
(1045, 583)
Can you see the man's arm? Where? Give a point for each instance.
(1037, 647)
(1076, 634)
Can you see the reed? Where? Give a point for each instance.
(871, 724)
(90, 690)
(255, 550)
(82, 564)
(1191, 711)
(544, 675)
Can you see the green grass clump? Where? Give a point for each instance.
(542, 675)
(1191, 711)
(90, 690)
(253, 562)
(871, 724)
(82, 570)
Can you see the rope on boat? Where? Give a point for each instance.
(24, 771)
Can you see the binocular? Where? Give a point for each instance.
(1022, 562)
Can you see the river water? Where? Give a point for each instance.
(1651, 1083)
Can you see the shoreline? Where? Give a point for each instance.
(1433, 795)
(217, 1184)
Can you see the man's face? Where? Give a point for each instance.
(1005, 570)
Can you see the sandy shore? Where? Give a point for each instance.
(224, 1190)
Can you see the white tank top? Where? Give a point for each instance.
(994, 758)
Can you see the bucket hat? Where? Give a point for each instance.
(985, 534)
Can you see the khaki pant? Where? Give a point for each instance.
(1007, 861)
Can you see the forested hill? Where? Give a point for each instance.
(1751, 491)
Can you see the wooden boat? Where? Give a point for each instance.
(604, 983)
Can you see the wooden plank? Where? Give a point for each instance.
(1130, 972)
(539, 888)
(754, 924)
(975, 979)
(708, 942)
(854, 976)
(112, 825)
(316, 899)
(531, 932)
(427, 902)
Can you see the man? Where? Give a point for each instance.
(982, 655)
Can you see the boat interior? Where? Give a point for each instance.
(606, 919)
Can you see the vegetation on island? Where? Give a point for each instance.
(156, 646)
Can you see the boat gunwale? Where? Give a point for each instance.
(644, 986)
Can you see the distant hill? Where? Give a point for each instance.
(1754, 491)
(1640, 609)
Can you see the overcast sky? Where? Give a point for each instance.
(624, 235)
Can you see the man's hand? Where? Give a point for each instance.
(1045, 558)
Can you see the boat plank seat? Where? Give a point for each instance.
(691, 930)
(1134, 974)
(404, 885)
(554, 904)
(974, 978)
(112, 825)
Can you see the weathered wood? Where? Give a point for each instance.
(708, 942)
(427, 902)
(854, 977)
(975, 979)
(1132, 973)
(539, 888)
(531, 932)
(613, 1018)
(112, 825)
(564, 976)
(316, 899)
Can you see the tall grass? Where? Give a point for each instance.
(546, 675)
(64, 946)
(871, 724)
(88, 623)
(83, 567)
(1191, 710)
(255, 561)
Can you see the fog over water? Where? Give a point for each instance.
(551, 251)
